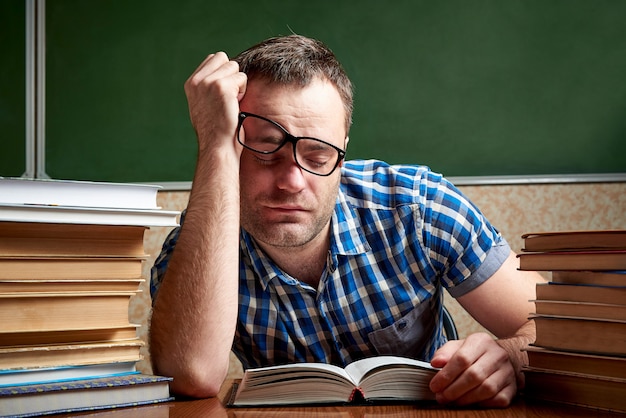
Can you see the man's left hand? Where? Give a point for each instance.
(475, 370)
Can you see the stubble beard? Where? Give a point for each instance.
(286, 233)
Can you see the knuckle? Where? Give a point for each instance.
(490, 389)
(232, 65)
(499, 400)
(463, 360)
(476, 375)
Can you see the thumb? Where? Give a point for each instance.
(444, 353)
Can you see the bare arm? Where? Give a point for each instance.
(193, 319)
(480, 369)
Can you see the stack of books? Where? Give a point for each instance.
(71, 256)
(579, 356)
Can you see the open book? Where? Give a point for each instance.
(383, 378)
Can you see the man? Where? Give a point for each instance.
(288, 254)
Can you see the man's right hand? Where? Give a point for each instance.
(213, 94)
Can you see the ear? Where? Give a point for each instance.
(345, 144)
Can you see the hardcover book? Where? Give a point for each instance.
(61, 374)
(580, 309)
(56, 355)
(383, 378)
(605, 393)
(87, 215)
(69, 286)
(52, 239)
(574, 240)
(82, 395)
(581, 293)
(573, 260)
(598, 278)
(78, 193)
(70, 268)
(67, 335)
(583, 335)
(58, 311)
(572, 362)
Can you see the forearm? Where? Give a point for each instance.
(193, 319)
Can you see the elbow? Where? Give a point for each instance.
(194, 386)
(195, 382)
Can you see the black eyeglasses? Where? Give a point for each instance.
(264, 136)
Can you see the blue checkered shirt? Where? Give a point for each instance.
(400, 234)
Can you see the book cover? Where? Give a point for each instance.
(584, 335)
(70, 286)
(572, 362)
(52, 239)
(574, 240)
(580, 309)
(581, 293)
(71, 268)
(78, 193)
(67, 335)
(600, 278)
(605, 393)
(573, 260)
(62, 374)
(82, 395)
(87, 215)
(79, 354)
(58, 311)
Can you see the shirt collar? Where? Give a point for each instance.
(347, 238)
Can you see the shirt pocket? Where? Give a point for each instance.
(409, 336)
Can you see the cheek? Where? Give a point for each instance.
(251, 179)
(326, 192)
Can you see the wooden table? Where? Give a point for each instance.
(214, 407)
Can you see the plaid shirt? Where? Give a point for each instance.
(399, 235)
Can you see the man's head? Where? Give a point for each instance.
(298, 84)
(297, 60)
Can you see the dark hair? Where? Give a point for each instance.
(296, 59)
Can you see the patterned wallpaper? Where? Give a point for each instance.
(513, 209)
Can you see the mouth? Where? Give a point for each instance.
(286, 209)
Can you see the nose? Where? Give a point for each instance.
(290, 177)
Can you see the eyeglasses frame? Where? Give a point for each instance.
(289, 138)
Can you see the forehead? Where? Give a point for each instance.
(313, 110)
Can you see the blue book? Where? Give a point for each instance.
(83, 395)
(36, 376)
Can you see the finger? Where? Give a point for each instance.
(445, 353)
(243, 85)
(480, 375)
(495, 390)
(214, 67)
(502, 399)
(453, 358)
(210, 63)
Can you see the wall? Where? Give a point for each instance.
(513, 209)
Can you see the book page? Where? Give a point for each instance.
(295, 371)
(360, 368)
(294, 383)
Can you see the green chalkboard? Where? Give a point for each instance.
(470, 88)
(12, 88)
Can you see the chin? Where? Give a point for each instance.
(279, 237)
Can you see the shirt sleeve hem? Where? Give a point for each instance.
(494, 260)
